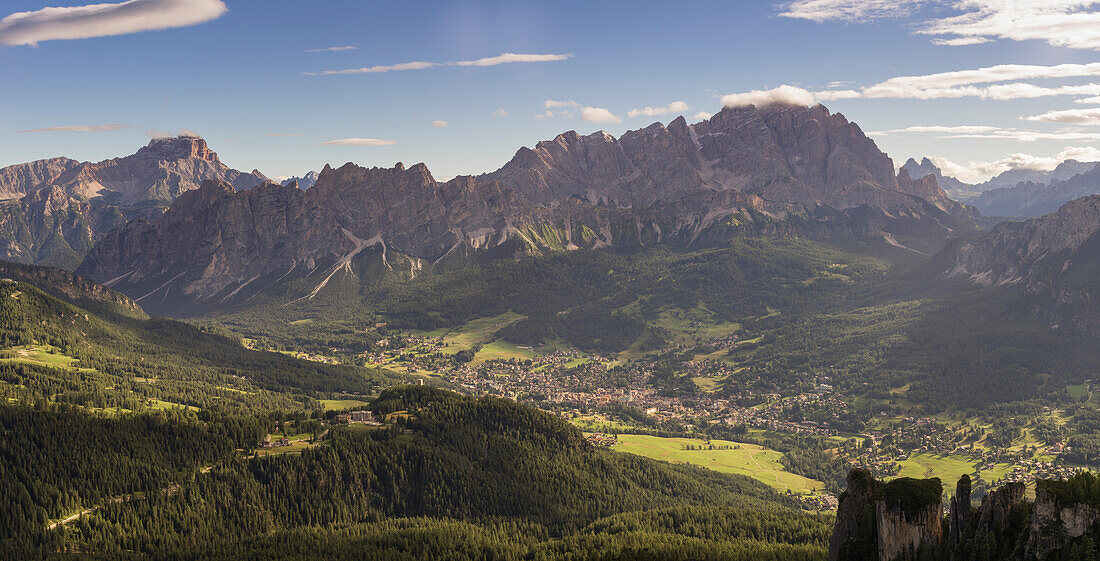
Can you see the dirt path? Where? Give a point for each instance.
(72, 518)
(752, 456)
(172, 489)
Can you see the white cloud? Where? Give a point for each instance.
(358, 142)
(674, 107)
(1081, 154)
(505, 58)
(1001, 82)
(783, 94)
(598, 115)
(960, 41)
(544, 116)
(551, 104)
(702, 115)
(847, 10)
(80, 128)
(829, 95)
(1063, 23)
(1089, 116)
(963, 129)
(979, 171)
(440, 124)
(500, 112)
(985, 75)
(332, 49)
(983, 132)
(378, 69)
(1088, 100)
(102, 20)
(153, 133)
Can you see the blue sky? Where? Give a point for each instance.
(237, 72)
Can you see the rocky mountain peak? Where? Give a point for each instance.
(779, 152)
(178, 148)
(304, 182)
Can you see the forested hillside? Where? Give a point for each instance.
(450, 477)
(107, 355)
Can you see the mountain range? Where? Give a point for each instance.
(1031, 199)
(54, 210)
(778, 170)
(1017, 192)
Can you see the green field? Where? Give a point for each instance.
(1078, 391)
(43, 355)
(159, 404)
(482, 331)
(597, 423)
(948, 468)
(342, 403)
(754, 461)
(684, 327)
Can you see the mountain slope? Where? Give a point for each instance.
(463, 476)
(51, 227)
(1054, 259)
(77, 342)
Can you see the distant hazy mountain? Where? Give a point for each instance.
(1016, 192)
(157, 173)
(1030, 198)
(777, 170)
(953, 187)
(304, 182)
(57, 208)
(1013, 177)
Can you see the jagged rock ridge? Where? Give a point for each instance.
(792, 154)
(953, 187)
(777, 171)
(56, 209)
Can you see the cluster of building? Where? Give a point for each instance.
(603, 440)
(269, 442)
(360, 416)
(1030, 470)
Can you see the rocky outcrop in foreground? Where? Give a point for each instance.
(902, 520)
(887, 521)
